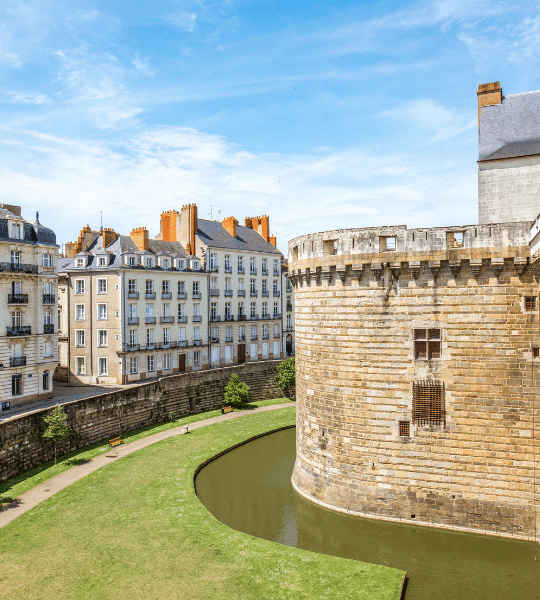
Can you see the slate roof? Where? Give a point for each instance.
(510, 129)
(33, 231)
(214, 235)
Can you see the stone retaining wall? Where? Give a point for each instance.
(102, 417)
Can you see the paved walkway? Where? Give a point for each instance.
(31, 498)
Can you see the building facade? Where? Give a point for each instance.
(418, 356)
(28, 319)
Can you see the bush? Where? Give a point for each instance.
(57, 429)
(286, 376)
(236, 393)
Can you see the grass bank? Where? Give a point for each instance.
(135, 529)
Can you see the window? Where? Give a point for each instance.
(149, 310)
(102, 312)
(329, 247)
(228, 313)
(166, 287)
(103, 340)
(276, 267)
(165, 263)
(213, 310)
(195, 265)
(47, 318)
(150, 337)
(264, 287)
(196, 310)
(196, 333)
(16, 231)
(530, 303)
(15, 258)
(195, 288)
(48, 350)
(276, 310)
(149, 287)
(132, 337)
(79, 263)
(182, 334)
(132, 261)
(151, 364)
(181, 287)
(276, 287)
(536, 352)
(228, 284)
(404, 429)
(240, 283)
(16, 385)
(133, 365)
(132, 312)
(47, 261)
(427, 344)
(79, 286)
(264, 268)
(265, 332)
(102, 261)
(213, 262)
(228, 334)
(102, 366)
(149, 263)
(240, 264)
(454, 239)
(80, 365)
(80, 341)
(132, 286)
(387, 244)
(241, 333)
(264, 309)
(45, 380)
(197, 359)
(167, 310)
(79, 312)
(228, 267)
(289, 322)
(166, 336)
(241, 312)
(181, 265)
(253, 265)
(428, 403)
(253, 286)
(101, 286)
(181, 311)
(215, 335)
(214, 285)
(276, 330)
(47, 289)
(254, 332)
(253, 310)
(166, 362)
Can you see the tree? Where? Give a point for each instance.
(286, 376)
(57, 429)
(236, 392)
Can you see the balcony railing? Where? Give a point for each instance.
(182, 343)
(197, 342)
(182, 319)
(289, 328)
(228, 293)
(254, 317)
(276, 335)
(20, 330)
(166, 319)
(229, 317)
(17, 298)
(150, 295)
(215, 318)
(17, 361)
(253, 337)
(265, 293)
(196, 318)
(213, 268)
(197, 295)
(277, 294)
(253, 293)
(182, 295)
(214, 292)
(264, 271)
(132, 347)
(266, 316)
(253, 271)
(241, 317)
(166, 295)
(215, 340)
(150, 320)
(265, 336)
(241, 270)
(48, 298)
(133, 320)
(276, 273)
(133, 295)
(18, 267)
(150, 346)
(241, 292)
(276, 316)
(48, 328)
(241, 338)
(228, 269)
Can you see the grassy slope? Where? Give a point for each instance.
(135, 529)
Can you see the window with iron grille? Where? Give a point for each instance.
(404, 429)
(427, 344)
(530, 302)
(536, 352)
(428, 403)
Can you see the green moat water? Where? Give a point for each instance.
(249, 489)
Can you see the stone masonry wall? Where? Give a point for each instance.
(355, 319)
(102, 417)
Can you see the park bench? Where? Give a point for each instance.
(226, 409)
(116, 442)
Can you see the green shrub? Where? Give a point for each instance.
(236, 392)
(286, 376)
(57, 429)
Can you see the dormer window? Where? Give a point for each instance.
(181, 264)
(195, 265)
(149, 262)
(165, 263)
(16, 231)
(132, 261)
(79, 262)
(47, 260)
(102, 261)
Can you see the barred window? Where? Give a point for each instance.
(405, 429)
(530, 302)
(428, 403)
(427, 344)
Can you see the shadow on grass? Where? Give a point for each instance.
(73, 462)
(6, 503)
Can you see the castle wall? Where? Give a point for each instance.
(356, 316)
(509, 189)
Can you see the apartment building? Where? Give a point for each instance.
(28, 319)
(132, 308)
(246, 284)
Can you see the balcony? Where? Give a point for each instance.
(213, 268)
(196, 318)
(214, 292)
(182, 344)
(241, 270)
(266, 317)
(289, 328)
(229, 317)
(150, 346)
(166, 295)
(166, 319)
(253, 293)
(197, 295)
(133, 295)
(276, 316)
(265, 293)
(167, 345)
(131, 347)
(264, 271)
(289, 307)
(228, 340)
(150, 320)
(265, 336)
(277, 273)
(215, 318)
(277, 335)
(277, 294)
(182, 319)
(48, 328)
(254, 337)
(182, 295)
(48, 299)
(253, 271)
(150, 295)
(241, 317)
(197, 342)
(241, 292)
(133, 320)
(215, 340)
(17, 331)
(254, 317)
(227, 269)
(18, 268)
(228, 293)
(241, 338)
(17, 298)
(17, 361)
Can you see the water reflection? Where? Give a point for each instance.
(249, 489)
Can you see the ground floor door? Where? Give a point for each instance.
(181, 363)
(241, 353)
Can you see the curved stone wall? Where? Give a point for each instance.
(362, 296)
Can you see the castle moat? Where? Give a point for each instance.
(250, 490)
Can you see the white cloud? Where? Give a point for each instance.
(143, 65)
(25, 98)
(183, 20)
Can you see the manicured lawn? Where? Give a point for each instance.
(135, 529)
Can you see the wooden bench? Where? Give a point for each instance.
(116, 442)
(226, 409)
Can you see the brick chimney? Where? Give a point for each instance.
(488, 95)
(260, 224)
(140, 237)
(273, 240)
(230, 224)
(109, 235)
(248, 222)
(69, 249)
(189, 226)
(168, 226)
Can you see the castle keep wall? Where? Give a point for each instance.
(472, 462)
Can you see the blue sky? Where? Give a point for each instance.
(321, 115)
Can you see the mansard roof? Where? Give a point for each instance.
(214, 235)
